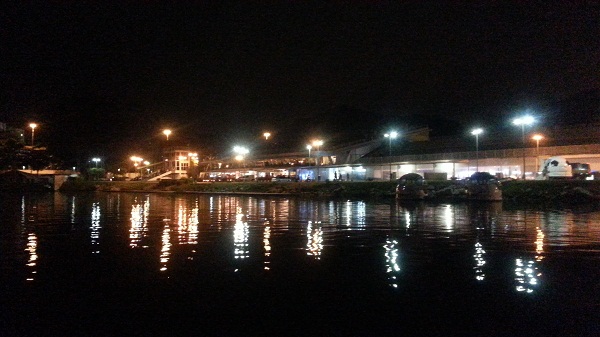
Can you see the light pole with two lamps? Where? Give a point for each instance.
(391, 135)
(523, 121)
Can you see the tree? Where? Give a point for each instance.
(10, 154)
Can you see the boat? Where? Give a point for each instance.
(411, 186)
(483, 186)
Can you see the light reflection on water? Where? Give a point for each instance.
(502, 246)
(314, 235)
(32, 243)
(322, 222)
(241, 235)
(95, 228)
(391, 261)
(139, 222)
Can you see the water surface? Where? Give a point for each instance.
(166, 264)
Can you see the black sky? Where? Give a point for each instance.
(100, 75)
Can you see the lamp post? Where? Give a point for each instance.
(476, 132)
(267, 135)
(309, 147)
(167, 133)
(318, 144)
(390, 136)
(537, 139)
(240, 152)
(32, 126)
(523, 121)
(96, 160)
(192, 161)
(136, 162)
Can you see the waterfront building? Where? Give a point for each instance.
(500, 153)
(178, 162)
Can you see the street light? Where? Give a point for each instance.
(309, 147)
(96, 160)
(136, 162)
(167, 132)
(391, 136)
(523, 121)
(537, 139)
(318, 144)
(267, 135)
(240, 152)
(32, 126)
(476, 132)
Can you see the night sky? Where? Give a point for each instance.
(105, 78)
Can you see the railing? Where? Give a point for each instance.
(546, 151)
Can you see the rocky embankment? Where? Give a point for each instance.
(530, 192)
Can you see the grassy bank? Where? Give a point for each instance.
(529, 192)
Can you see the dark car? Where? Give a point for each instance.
(581, 170)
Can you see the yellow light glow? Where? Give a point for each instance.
(537, 137)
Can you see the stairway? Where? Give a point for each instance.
(158, 177)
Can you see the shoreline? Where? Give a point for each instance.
(527, 192)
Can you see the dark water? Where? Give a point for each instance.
(122, 264)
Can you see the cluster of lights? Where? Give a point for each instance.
(522, 122)
(240, 152)
(136, 160)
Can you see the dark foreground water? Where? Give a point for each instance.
(124, 264)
